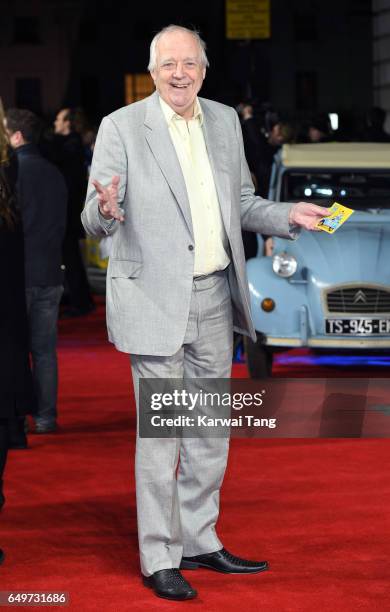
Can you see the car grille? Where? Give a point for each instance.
(367, 300)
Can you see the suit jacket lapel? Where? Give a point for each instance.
(160, 143)
(215, 140)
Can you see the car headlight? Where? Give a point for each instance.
(284, 264)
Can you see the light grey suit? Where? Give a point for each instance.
(152, 301)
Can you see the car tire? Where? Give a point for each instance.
(259, 358)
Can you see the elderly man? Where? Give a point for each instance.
(169, 180)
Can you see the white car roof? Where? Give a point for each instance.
(337, 155)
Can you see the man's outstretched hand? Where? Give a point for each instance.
(307, 215)
(108, 199)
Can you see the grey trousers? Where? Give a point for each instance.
(178, 480)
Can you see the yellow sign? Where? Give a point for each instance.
(247, 19)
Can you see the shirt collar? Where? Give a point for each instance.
(170, 114)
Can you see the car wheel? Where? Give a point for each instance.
(259, 358)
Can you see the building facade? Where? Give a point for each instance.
(319, 56)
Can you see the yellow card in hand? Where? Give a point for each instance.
(339, 214)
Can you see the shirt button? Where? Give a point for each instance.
(190, 247)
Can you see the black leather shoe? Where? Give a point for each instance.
(224, 561)
(2, 556)
(170, 584)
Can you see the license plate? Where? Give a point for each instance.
(361, 327)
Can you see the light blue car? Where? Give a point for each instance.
(326, 291)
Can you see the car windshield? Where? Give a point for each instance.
(360, 190)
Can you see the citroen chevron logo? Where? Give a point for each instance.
(359, 297)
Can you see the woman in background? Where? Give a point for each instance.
(16, 388)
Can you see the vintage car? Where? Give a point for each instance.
(325, 291)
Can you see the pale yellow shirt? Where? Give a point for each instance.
(211, 244)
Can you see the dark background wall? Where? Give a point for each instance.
(319, 56)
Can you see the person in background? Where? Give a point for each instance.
(275, 133)
(16, 387)
(374, 130)
(319, 129)
(42, 197)
(348, 129)
(261, 145)
(252, 144)
(87, 133)
(251, 134)
(69, 156)
(89, 139)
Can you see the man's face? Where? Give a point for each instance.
(60, 125)
(179, 73)
(315, 135)
(276, 137)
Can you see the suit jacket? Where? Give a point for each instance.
(150, 272)
(42, 197)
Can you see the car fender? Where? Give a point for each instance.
(290, 300)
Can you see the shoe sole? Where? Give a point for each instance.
(171, 598)
(192, 565)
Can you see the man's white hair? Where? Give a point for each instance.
(174, 28)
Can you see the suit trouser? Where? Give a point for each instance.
(79, 292)
(177, 509)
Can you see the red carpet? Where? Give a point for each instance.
(318, 510)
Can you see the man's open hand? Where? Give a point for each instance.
(307, 215)
(108, 199)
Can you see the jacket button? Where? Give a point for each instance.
(190, 247)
